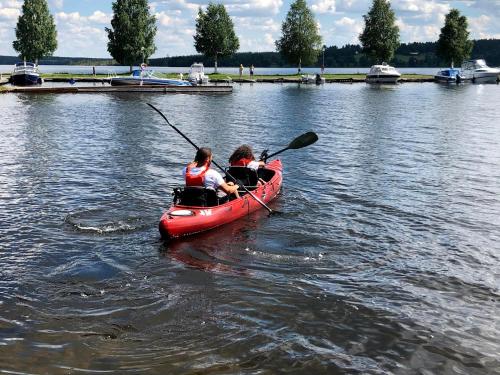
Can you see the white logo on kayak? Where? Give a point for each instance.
(206, 212)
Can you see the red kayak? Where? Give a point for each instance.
(191, 214)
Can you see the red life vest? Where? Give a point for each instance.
(241, 162)
(198, 179)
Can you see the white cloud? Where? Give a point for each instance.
(58, 4)
(483, 27)
(344, 31)
(9, 14)
(255, 8)
(164, 19)
(324, 6)
(100, 17)
(418, 33)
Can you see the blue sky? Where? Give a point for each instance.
(81, 23)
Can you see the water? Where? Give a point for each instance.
(385, 261)
(76, 69)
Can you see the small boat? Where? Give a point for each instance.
(197, 74)
(478, 72)
(312, 79)
(197, 209)
(25, 74)
(383, 74)
(141, 77)
(447, 75)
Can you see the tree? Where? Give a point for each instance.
(300, 41)
(132, 33)
(454, 45)
(380, 37)
(215, 36)
(35, 31)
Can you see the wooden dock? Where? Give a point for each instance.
(212, 89)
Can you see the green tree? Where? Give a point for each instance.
(132, 33)
(215, 36)
(35, 31)
(380, 37)
(300, 42)
(454, 45)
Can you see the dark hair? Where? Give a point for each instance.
(242, 152)
(202, 155)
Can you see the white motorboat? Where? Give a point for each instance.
(197, 74)
(25, 73)
(141, 77)
(383, 74)
(312, 79)
(478, 72)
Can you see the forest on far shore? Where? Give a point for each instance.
(349, 56)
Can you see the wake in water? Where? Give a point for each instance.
(107, 221)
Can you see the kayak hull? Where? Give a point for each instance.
(181, 220)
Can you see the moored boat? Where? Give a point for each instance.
(25, 74)
(197, 74)
(199, 211)
(141, 77)
(478, 72)
(312, 79)
(383, 74)
(447, 75)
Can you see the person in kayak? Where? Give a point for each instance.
(243, 157)
(199, 173)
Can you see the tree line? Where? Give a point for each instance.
(417, 54)
(133, 29)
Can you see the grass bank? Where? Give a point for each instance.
(222, 76)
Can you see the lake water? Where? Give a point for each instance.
(386, 259)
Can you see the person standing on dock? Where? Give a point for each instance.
(241, 70)
(93, 71)
(251, 71)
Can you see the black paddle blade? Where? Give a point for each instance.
(303, 140)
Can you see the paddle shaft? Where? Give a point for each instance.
(278, 152)
(271, 211)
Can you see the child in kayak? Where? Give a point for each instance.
(199, 173)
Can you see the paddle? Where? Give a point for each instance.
(271, 211)
(303, 140)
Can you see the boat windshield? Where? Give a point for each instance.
(197, 68)
(25, 64)
(449, 72)
(480, 64)
(28, 68)
(142, 73)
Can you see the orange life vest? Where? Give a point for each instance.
(198, 179)
(241, 162)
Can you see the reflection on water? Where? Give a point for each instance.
(384, 261)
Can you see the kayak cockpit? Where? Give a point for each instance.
(196, 196)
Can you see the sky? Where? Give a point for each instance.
(80, 23)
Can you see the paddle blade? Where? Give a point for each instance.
(303, 140)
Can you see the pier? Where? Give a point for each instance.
(212, 89)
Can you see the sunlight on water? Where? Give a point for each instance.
(386, 259)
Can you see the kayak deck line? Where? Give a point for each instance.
(212, 89)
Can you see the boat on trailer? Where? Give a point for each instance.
(197, 209)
